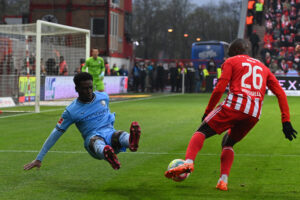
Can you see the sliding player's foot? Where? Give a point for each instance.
(222, 185)
(135, 133)
(184, 168)
(111, 157)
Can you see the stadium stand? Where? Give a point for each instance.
(280, 33)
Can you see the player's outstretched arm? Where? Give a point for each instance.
(33, 164)
(51, 140)
(288, 130)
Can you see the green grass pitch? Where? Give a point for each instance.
(266, 165)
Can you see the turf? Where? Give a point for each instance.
(266, 165)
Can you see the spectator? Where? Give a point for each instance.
(136, 77)
(190, 78)
(273, 66)
(123, 71)
(180, 71)
(143, 75)
(115, 70)
(268, 38)
(173, 76)
(278, 8)
(286, 5)
(267, 59)
(63, 67)
(254, 39)
(211, 65)
(199, 77)
(249, 23)
(277, 32)
(283, 66)
(43, 69)
(292, 72)
(150, 72)
(251, 4)
(107, 69)
(259, 7)
(82, 63)
(296, 63)
(269, 25)
(285, 19)
(279, 72)
(51, 67)
(160, 83)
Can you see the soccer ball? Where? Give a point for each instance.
(174, 164)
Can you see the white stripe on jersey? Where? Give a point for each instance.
(248, 105)
(213, 113)
(261, 104)
(239, 102)
(229, 100)
(256, 107)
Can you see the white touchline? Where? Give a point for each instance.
(153, 153)
(114, 102)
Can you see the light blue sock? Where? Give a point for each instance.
(124, 139)
(98, 147)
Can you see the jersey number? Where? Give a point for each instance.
(255, 78)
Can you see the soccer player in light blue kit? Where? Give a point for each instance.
(91, 114)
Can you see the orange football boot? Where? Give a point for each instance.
(176, 171)
(222, 185)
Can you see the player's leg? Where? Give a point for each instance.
(99, 85)
(195, 145)
(216, 122)
(122, 139)
(234, 135)
(227, 157)
(103, 151)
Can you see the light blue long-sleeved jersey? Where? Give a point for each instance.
(93, 118)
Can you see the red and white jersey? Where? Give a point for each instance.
(248, 79)
(247, 84)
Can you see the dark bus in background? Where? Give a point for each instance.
(202, 52)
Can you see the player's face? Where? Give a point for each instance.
(95, 53)
(85, 90)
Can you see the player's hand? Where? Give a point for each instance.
(288, 130)
(204, 116)
(33, 164)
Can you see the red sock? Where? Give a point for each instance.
(226, 160)
(195, 145)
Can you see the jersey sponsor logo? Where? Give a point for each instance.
(102, 103)
(60, 121)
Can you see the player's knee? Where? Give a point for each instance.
(115, 140)
(227, 141)
(206, 130)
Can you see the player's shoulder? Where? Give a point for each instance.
(72, 106)
(102, 95)
(100, 58)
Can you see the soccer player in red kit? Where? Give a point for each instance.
(239, 112)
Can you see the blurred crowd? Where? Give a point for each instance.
(282, 24)
(154, 77)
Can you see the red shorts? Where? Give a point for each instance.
(236, 122)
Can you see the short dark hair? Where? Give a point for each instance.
(238, 47)
(82, 76)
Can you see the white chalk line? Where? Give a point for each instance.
(113, 102)
(154, 153)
